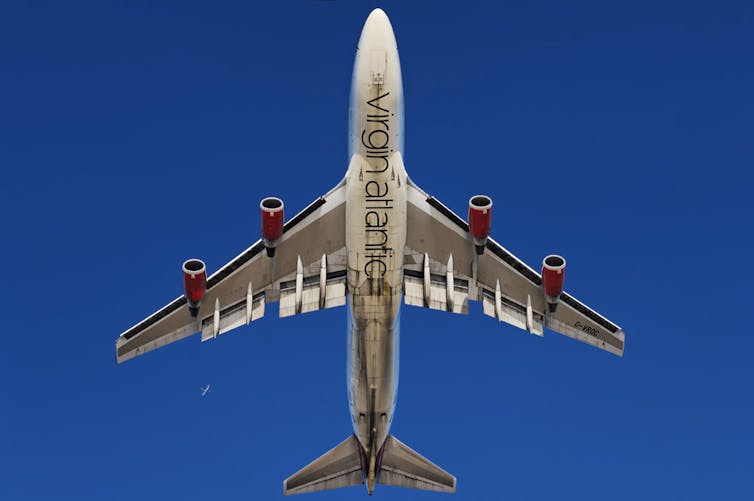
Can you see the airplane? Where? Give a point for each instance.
(205, 390)
(373, 241)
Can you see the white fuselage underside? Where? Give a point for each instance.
(375, 232)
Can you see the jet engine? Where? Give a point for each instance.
(553, 276)
(194, 283)
(272, 222)
(480, 217)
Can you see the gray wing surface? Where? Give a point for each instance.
(509, 290)
(339, 467)
(312, 247)
(402, 466)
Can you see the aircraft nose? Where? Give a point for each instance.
(377, 16)
(377, 32)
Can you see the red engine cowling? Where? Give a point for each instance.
(194, 283)
(272, 222)
(553, 276)
(480, 219)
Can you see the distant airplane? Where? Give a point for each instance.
(205, 390)
(374, 240)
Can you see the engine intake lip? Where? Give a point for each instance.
(480, 202)
(193, 266)
(554, 262)
(271, 205)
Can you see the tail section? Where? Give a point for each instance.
(347, 464)
(402, 466)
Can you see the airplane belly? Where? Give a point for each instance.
(373, 373)
(376, 238)
(375, 233)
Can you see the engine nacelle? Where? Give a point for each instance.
(272, 222)
(480, 219)
(194, 283)
(553, 276)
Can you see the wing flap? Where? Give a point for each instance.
(336, 294)
(434, 285)
(504, 309)
(232, 317)
(413, 295)
(310, 293)
(413, 291)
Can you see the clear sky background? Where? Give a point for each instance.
(619, 134)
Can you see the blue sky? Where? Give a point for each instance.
(619, 134)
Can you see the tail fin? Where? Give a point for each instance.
(402, 466)
(341, 466)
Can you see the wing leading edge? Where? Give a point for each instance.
(440, 253)
(306, 274)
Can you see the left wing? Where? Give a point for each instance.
(308, 273)
(442, 271)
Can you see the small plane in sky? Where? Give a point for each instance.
(374, 241)
(205, 390)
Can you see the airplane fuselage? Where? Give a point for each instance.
(375, 232)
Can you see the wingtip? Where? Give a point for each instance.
(621, 336)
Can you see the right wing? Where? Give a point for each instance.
(308, 273)
(442, 272)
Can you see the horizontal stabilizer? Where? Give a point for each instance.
(401, 466)
(339, 467)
